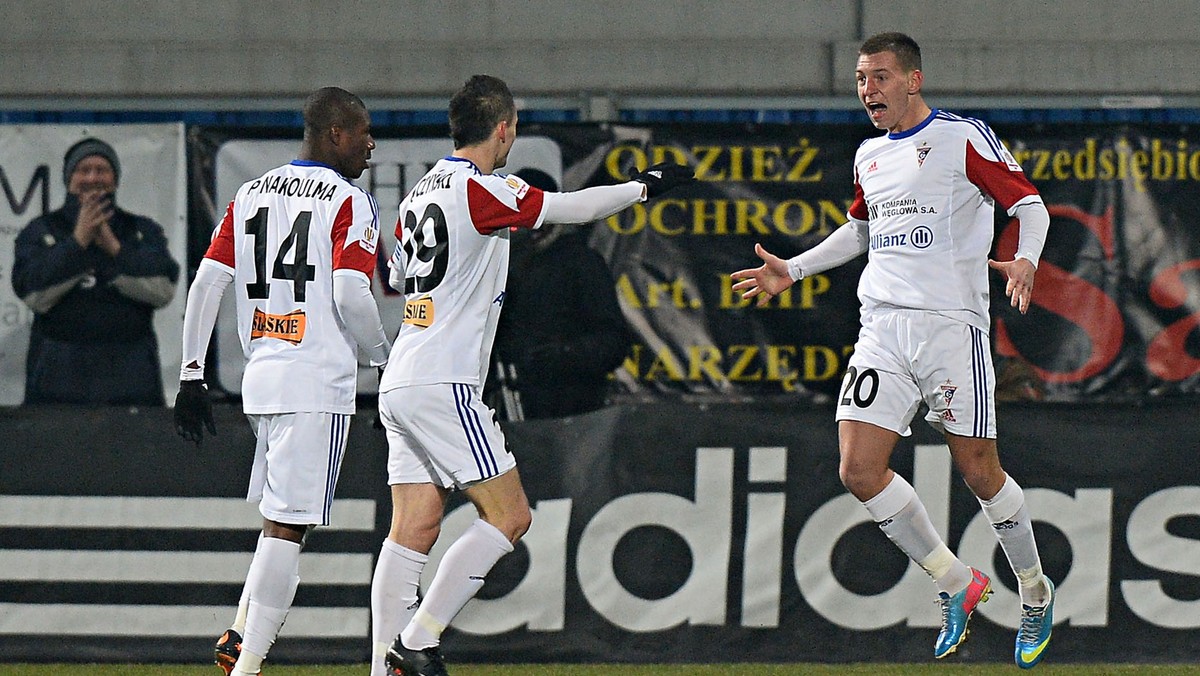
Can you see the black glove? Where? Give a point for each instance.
(193, 411)
(662, 177)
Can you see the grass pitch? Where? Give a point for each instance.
(799, 669)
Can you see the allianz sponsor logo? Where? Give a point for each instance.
(920, 237)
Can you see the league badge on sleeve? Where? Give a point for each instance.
(517, 185)
(370, 239)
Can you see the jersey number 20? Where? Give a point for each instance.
(299, 272)
(860, 388)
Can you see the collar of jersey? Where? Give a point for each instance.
(451, 158)
(312, 163)
(909, 132)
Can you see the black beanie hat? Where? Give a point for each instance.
(86, 148)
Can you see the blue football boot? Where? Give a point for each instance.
(1037, 623)
(956, 612)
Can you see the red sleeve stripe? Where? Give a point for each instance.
(352, 257)
(858, 208)
(221, 248)
(1004, 185)
(489, 214)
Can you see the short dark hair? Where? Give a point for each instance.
(331, 107)
(906, 49)
(475, 110)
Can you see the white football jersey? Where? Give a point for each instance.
(283, 235)
(926, 197)
(452, 248)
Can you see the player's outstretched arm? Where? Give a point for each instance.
(598, 202)
(764, 282)
(1019, 273)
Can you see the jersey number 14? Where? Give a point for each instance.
(299, 272)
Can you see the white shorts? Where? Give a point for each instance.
(296, 462)
(442, 434)
(906, 357)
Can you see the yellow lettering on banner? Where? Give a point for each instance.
(706, 159)
(779, 366)
(658, 294)
(289, 327)
(1141, 161)
(665, 366)
(803, 157)
(419, 312)
(787, 365)
(742, 356)
(704, 360)
(809, 288)
(723, 217)
(820, 363)
(718, 163)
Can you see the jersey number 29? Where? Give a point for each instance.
(427, 241)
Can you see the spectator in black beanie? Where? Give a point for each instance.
(93, 274)
(561, 329)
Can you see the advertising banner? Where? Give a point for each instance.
(1116, 308)
(661, 533)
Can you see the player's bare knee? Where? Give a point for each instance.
(863, 483)
(983, 479)
(846, 476)
(518, 524)
(415, 536)
(857, 484)
(523, 524)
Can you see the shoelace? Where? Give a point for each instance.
(945, 604)
(1031, 625)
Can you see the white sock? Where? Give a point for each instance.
(272, 581)
(902, 517)
(1010, 522)
(239, 620)
(394, 593)
(459, 577)
(248, 663)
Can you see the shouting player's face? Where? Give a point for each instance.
(354, 144)
(887, 91)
